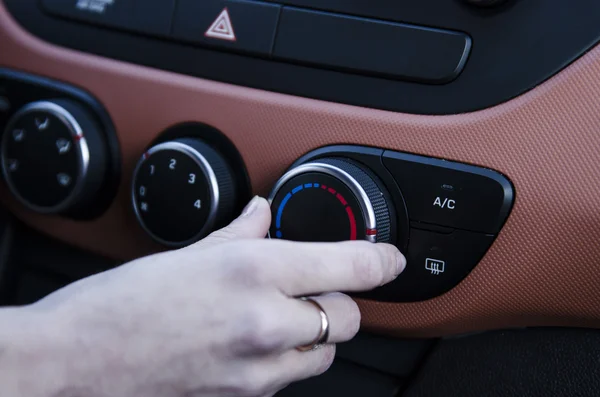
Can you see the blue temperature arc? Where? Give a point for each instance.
(285, 200)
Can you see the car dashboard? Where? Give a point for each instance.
(478, 125)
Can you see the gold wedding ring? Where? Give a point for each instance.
(323, 333)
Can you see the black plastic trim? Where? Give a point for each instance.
(303, 38)
(515, 47)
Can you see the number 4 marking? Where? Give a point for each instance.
(198, 204)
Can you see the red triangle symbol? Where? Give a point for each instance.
(221, 28)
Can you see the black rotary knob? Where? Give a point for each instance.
(54, 156)
(331, 199)
(182, 190)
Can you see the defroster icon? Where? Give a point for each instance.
(435, 266)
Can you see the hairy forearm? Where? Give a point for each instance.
(33, 356)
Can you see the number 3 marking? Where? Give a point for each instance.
(192, 179)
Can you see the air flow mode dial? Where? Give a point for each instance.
(331, 199)
(54, 156)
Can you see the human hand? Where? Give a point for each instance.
(217, 318)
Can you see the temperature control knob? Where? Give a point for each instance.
(331, 199)
(54, 156)
(182, 190)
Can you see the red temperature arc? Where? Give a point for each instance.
(349, 211)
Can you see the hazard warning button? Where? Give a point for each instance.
(221, 28)
(247, 26)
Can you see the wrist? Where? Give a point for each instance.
(36, 358)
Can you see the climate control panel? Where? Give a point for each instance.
(443, 215)
(60, 155)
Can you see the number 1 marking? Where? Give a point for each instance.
(151, 169)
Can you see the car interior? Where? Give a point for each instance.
(465, 132)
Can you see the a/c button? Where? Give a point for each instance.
(247, 26)
(437, 262)
(451, 194)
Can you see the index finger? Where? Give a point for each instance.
(299, 269)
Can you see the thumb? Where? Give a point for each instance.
(254, 222)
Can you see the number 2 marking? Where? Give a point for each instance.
(172, 164)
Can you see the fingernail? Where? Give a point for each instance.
(400, 263)
(250, 207)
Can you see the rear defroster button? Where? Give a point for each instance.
(437, 262)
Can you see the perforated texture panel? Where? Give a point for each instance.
(373, 191)
(543, 268)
